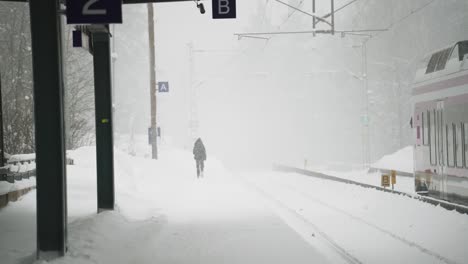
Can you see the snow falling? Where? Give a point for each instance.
(299, 128)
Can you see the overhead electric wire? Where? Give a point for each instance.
(340, 8)
(291, 14)
(408, 15)
(319, 31)
(304, 12)
(322, 19)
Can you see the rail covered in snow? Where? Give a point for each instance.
(388, 171)
(443, 204)
(17, 177)
(18, 167)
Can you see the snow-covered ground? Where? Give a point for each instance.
(366, 225)
(6, 187)
(401, 160)
(403, 184)
(165, 215)
(20, 157)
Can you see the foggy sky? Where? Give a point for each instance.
(290, 98)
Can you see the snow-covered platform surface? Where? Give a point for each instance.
(6, 187)
(165, 215)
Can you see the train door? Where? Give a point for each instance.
(441, 149)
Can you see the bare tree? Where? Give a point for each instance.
(17, 86)
(16, 68)
(79, 95)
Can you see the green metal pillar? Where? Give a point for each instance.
(2, 146)
(46, 39)
(103, 103)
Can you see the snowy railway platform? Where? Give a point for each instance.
(165, 215)
(319, 101)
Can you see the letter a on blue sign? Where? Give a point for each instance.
(163, 87)
(224, 9)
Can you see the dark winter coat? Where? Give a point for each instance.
(199, 152)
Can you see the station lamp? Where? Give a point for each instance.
(200, 6)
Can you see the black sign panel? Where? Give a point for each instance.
(77, 39)
(94, 11)
(224, 9)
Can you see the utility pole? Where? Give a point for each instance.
(153, 129)
(366, 121)
(193, 118)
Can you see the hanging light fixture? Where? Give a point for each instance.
(200, 6)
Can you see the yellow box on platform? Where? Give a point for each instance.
(385, 180)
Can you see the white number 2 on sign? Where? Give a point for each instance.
(87, 11)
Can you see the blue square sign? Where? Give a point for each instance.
(94, 11)
(224, 9)
(163, 87)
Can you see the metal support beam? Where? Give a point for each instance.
(303, 12)
(46, 29)
(317, 31)
(2, 145)
(103, 105)
(338, 9)
(333, 17)
(314, 19)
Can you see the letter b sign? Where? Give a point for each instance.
(224, 9)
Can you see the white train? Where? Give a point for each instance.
(440, 123)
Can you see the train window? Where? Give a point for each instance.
(455, 53)
(465, 143)
(440, 140)
(459, 145)
(425, 127)
(424, 62)
(450, 146)
(432, 138)
(442, 60)
(433, 62)
(422, 127)
(462, 49)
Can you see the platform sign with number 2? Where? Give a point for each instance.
(94, 11)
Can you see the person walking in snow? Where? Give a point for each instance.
(199, 154)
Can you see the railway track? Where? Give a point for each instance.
(332, 244)
(372, 225)
(444, 204)
(348, 255)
